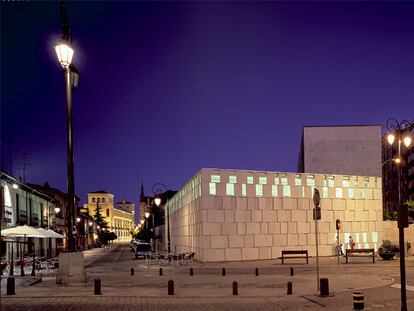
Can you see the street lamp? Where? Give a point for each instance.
(57, 210)
(158, 189)
(399, 131)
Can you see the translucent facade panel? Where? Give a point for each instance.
(366, 182)
(284, 180)
(286, 191)
(274, 190)
(263, 180)
(232, 179)
(303, 191)
(362, 193)
(229, 189)
(244, 190)
(364, 237)
(310, 181)
(298, 180)
(374, 237)
(351, 193)
(346, 182)
(250, 179)
(215, 178)
(324, 192)
(339, 192)
(325, 181)
(356, 238)
(277, 181)
(356, 184)
(331, 181)
(373, 194)
(259, 190)
(212, 188)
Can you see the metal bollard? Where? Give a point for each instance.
(292, 272)
(97, 287)
(223, 271)
(170, 287)
(132, 271)
(235, 288)
(324, 286)
(160, 271)
(257, 271)
(11, 288)
(191, 271)
(358, 300)
(289, 288)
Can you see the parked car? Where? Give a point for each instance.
(141, 249)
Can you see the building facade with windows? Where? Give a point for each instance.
(120, 220)
(231, 215)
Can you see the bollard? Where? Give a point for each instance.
(223, 271)
(358, 300)
(97, 287)
(191, 271)
(132, 271)
(235, 288)
(11, 289)
(160, 271)
(257, 271)
(289, 288)
(292, 272)
(170, 287)
(324, 286)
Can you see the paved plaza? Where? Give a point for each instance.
(207, 289)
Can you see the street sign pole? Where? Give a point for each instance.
(316, 216)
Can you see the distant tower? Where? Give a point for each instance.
(142, 202)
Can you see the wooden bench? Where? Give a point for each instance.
(294, 252)
(369, 251)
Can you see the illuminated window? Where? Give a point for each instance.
(362, 193)
(310, 181)
(230, 189)
(215, 178)
(263, 180)
(303, 191)
(232, 179)
(259, 190)
(277, 180)
(324, 192)
(345, 182)
(339, 192)
(298, 180)
(325, 181)
(351, 193)
(93, 200)
(366, 182)
(244, 190)
(376, 182)
(372, 194)
(250, 179)
(212, 188)
(331, 181)
(356, 181)
(274, 190)
(286, 191)
(284, 180)
(103, 200)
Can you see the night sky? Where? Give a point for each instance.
(168, 88)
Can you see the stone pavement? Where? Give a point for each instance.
(209, 290)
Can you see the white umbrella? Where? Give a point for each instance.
(23, 231)
(54, 234)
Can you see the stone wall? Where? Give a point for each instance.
(258, 220)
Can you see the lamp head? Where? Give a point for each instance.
(157, 201)
(90, 223)
(391, 138)
(147, 215)
(142, 221)
(407, 140)
(64, 52)
(78, 219)
(57, 210)
(15, 186)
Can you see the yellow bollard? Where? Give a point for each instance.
(358, 300)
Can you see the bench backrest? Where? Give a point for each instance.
(294, 252)
(360, 250)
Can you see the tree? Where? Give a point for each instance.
(99, 219)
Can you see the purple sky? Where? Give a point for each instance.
(168, 88)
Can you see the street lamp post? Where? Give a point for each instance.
(158, 189)
(398, 131)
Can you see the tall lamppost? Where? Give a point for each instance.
(158, 189)
(65, 52)
(398, 131)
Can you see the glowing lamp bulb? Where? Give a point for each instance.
(391, 138)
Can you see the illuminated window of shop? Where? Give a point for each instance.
(310, 181)
(250, 180)
(286, 191)
(284, 180)
(331, 181)
(345, 181)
